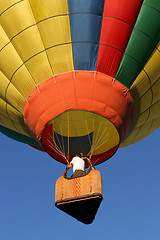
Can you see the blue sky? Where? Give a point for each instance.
(131, 190)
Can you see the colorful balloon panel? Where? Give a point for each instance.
(146, 95)
(44, 40)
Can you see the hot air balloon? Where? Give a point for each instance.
(79, 76)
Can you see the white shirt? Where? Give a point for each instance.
(78, 164)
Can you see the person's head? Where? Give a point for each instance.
(80, 155)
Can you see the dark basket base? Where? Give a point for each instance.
(82, 208)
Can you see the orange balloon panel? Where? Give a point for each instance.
(95, 97)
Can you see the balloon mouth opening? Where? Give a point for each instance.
(78, 131)
(80, 111)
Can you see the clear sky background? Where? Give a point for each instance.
(131, 190)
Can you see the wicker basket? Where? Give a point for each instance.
(80, 197)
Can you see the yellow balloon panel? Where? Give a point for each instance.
(16, 72)
(4, 40)
(8, 56)
(35, 29)
(11, 107)
(17, 124)
(22, 129)
(61, 58)
(17, 18)
(39, 67)
(55, 30)
(5, 5)
(142, 132)
(13, 96)
(143, 103)
(142, 118)
(9, 111)
(54, 27)
(148, 76)
(23, 81)
(48, 8)
(146, 95)
(20, 26)
(3, 85)
(28, 43)
(18, 127)
(7, 122)
(155, 91)
(154, 114)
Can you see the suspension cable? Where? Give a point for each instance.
(62, 138)
(68, 133)
(95, 141)
(56, 150)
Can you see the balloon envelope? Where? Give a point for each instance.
(79, 76)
